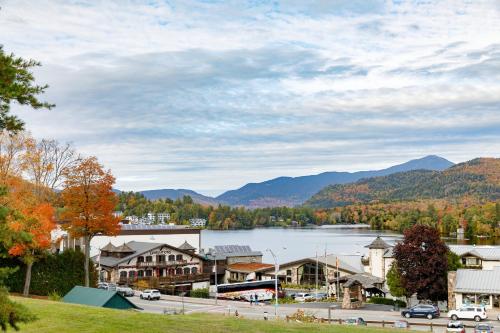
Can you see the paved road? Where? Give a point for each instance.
(169, 304)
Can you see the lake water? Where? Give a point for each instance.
(301, 243)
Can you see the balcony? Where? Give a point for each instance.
(161, 263)
(168, 279)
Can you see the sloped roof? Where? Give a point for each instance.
(98, 297)
(248, 267)
(222, 252)
(485, 252)
(138, 248)
(478, 281)
(378, 243)
(109, 247)
(348, 263)
(124, 248)
(186, 246)
(365, 279)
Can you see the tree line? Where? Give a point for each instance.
(474, 217)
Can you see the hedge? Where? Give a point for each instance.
(200, 293)
(387, 301)
(55, 273)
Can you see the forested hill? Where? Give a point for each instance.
(293, 191)
(476, 179)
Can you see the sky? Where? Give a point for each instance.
(211, 95)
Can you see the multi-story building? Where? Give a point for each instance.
(159, 264)
(197, 222)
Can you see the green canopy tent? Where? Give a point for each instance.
(98, 297)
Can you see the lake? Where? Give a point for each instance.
(305, 242)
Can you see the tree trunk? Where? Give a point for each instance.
(27, 280)
(87, 259)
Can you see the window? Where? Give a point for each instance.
(288, 272)
(194, 270)
(123, 274)
(178, 271)
(149, 259)
(171, 271)
(171, 257)
(140, 259)
(149, 273)
(131, 274)
(178, 257)
(140, 273)
(161, 258)
(186, 270)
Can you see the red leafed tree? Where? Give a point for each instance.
(422, 262)
(89, 203)
(32, 229)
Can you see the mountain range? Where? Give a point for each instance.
(478, 179)
(293, 191)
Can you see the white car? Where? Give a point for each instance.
(303, 297)
(477, 313)
(150, 294)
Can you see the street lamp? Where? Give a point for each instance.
(215, 269)
(276, 269)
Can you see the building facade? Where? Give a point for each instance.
(474, 286)
(160, 264)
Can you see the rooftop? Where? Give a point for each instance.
(222, 252)
(248, 267)
(485, 252)
(378, 243)
(478, 281)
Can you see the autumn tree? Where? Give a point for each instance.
(89, 202)
(17, 85)
(422, 262)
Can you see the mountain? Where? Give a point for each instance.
(179, 193)
(292, 191)
(478, 179)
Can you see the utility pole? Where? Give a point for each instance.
(276, 269)
(215, 267)
(316, 296)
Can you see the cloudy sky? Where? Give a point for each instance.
(210, 95)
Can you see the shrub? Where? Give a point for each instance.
(54, 296)
(387, 301)
(200, 293)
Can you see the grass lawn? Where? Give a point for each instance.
(68, 318)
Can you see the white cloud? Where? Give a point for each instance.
(209, 95)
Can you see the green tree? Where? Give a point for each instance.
(394, 282)
(17, 84)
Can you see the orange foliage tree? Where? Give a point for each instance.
(31, 222)
(89, 203)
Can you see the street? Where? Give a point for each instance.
(169, 304)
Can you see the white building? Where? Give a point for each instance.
(198, 222)
(379, 259)
(158, 217)
(474, 286)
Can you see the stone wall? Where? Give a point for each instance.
(452, 281)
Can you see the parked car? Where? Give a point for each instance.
(401, 324)
(106, 286)
(320, 296)
(125, 291)
(357, 321)
(455, 327)
(477, 313)
(303, 297)
(421, 310)
(483, 328)
(150, 294)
